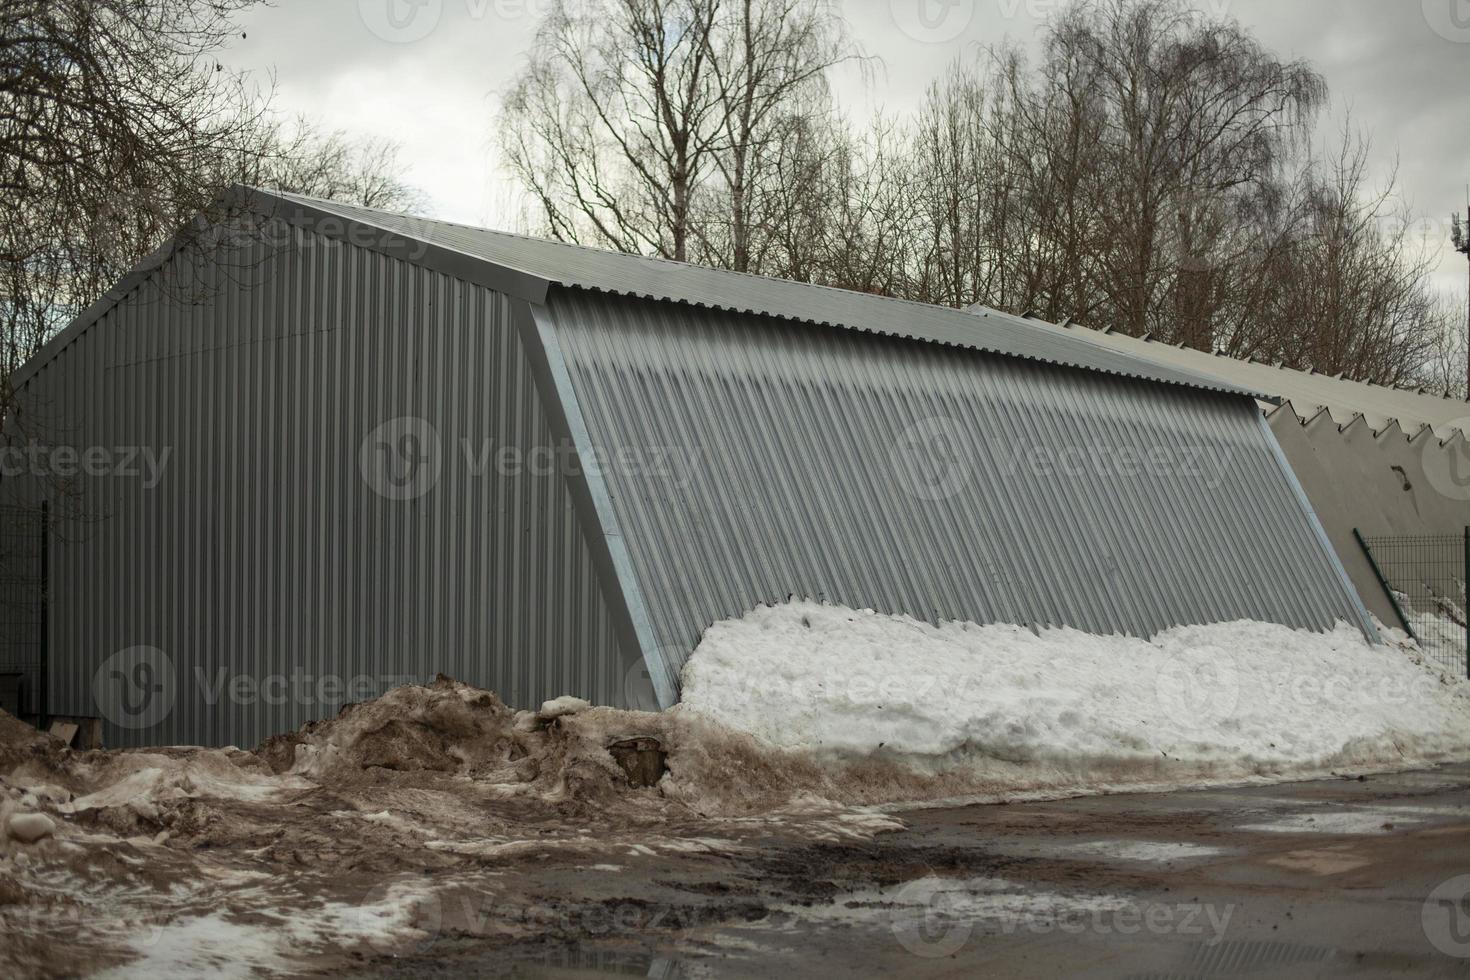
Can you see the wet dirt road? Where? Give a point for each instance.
(1331, 879)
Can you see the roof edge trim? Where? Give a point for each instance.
(239, 200)
(85, 320)
(417, 246)
(593, 501)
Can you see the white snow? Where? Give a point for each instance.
(140, 779)
(30, 827)
(1355, 820)
(919, 905)
(1230, 701)
(228, 943)
(564, 705)
(1441, 630)
(204, 946)
(1133, 851)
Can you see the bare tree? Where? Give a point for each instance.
(1444, 370)
(117, 124)
(1152, 173)
(300, 158)
(107, 108)
(1047, 217)
(1352, 293)
(613, 123)
(870, 250)
(770, 60)
(1460, 233)
(959, 184)
(1195, 115)
(1125, 181)
(647, 125)
(794, 236)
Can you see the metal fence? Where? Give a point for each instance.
(23, 610)
(1425, 577)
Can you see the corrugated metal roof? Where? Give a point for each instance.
(756, 462)
(1308, 393)
(632, 275)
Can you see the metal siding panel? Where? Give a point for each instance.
(795, 490)
(638, 276)
(264, 552)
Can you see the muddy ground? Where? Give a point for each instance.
(1325, 879)
(436, 832)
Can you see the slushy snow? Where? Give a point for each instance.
(1191, 705)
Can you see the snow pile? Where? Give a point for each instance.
(557, 759)
(1440, 632)
(1015, 709)
(261, 861)
(142, 780)
(24, 749)
(448, 727)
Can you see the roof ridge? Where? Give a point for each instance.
(571, 265)
(632, 255)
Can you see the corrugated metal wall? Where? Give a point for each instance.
(940, 483)
(265, 550)
(22, 608)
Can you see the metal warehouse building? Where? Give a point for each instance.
(1376, 462)
(384, 448)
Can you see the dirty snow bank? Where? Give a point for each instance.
(558, 760)
(1018, 710)
(337, 840)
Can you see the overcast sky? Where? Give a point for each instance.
(427, 73)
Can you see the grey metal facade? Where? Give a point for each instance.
(265, 551)
(609, 474)
(1378, 459)
(807, 467)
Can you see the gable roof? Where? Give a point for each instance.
(600, 270)
(527, 267)
(1308, 393)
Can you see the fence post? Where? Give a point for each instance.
(1383, 582)
(1465, 609)
(42, 709)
